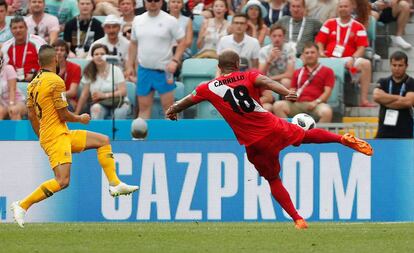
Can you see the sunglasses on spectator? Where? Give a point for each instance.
(155, 1)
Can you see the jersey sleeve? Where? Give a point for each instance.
(362, 37)
(29, 100)
(252, 76)
(198, 94)
(324, 32)
(59, 95)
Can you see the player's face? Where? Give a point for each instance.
(345, 8)
(126, 7)
(97, 56)
(37, 6)
(175, 5)
(112, 31)
(297, 10)
(239, 25)
(398, 68)
(277, 38)
(19, 30)
(310, 56)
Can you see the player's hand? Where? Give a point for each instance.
(171, 114)
(292, 96)
(84, 118)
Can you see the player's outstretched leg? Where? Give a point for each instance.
(317, 135)
(45, 190)
(107, 162)
(282, 196)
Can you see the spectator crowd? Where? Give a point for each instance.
(148, 41)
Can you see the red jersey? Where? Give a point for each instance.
(327, 36)
(237, 99)
(72, 74)
(13, 53)
(324, 77)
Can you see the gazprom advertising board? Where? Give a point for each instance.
(213, 181)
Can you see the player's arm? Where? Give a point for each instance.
(179, 106)
(67, 116)
(34, 121)
(265, 82)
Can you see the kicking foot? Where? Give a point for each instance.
(122, 189)
(301, 224)
(357, 144)
(18, 213)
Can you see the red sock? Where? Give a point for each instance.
(318, 135)
(281, 195)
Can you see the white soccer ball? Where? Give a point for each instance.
(304, 121)
(139, 128)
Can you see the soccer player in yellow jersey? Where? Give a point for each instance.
(48, 114)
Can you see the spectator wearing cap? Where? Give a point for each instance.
(21, 50)
(154, 33)
(70, 72)
(82, 31)
(256, 27)
(116, 43)
(41, 23)
(64, 10)
(246, 46)
(5, 33)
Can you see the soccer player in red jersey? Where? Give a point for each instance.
(236, 96)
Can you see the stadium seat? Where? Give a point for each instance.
(336, 101)
(131, 93)
(157, 111)
(81, 62)
(22, 86)
(206, 110)
(195, 71)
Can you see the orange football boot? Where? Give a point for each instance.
(357, 144)
(301, 224)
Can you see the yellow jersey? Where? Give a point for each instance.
(46, 94)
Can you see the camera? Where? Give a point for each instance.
(112, 59)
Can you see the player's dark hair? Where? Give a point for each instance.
(276, 26)
(228, 60)
(398, 56)
(47, 55)
(17, 19)
(309, 44)
(91, 70)
(3, 3)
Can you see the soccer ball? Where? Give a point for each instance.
(304, 121)
(139, 128)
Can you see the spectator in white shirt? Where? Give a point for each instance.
(247, 47)
(116, 43)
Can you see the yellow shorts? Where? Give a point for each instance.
(61, 148)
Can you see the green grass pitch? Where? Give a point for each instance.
(207, 237)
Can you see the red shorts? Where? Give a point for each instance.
(264, 153)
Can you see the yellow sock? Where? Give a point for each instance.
(107, 162)
(44, 191)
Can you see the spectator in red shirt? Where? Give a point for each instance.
(313, 83)
(346, 39)
(70, 72)
(21, 50)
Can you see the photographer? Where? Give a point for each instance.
(97, 82)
